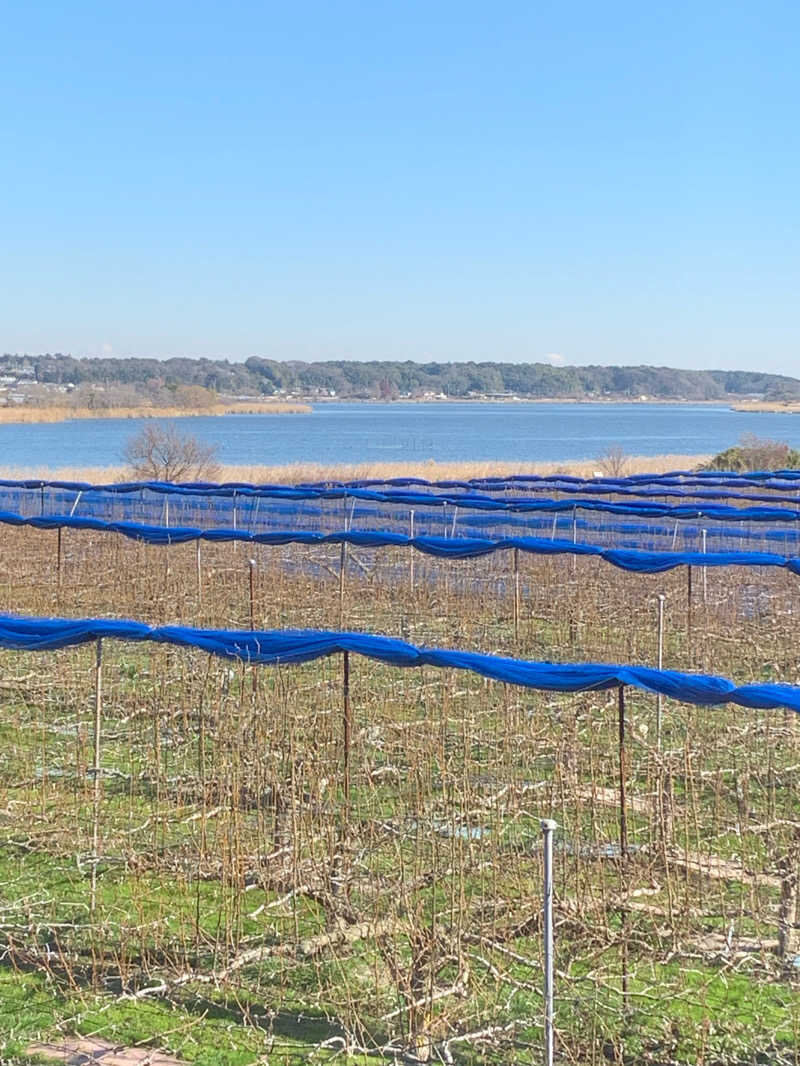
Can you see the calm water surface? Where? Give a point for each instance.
(348, 433)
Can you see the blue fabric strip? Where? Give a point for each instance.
(271, 648)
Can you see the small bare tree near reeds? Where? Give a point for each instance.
(160, 452)
(614, 461)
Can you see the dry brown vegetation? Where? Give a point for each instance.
(160, 452)
(295, 473)
(25, 413)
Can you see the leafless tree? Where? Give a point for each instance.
(160, 452)
(613, 461)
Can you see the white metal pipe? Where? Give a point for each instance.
(548, 827)
(660, 698)
(411, 552)
(705, 570)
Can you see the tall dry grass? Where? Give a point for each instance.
(10, 415)
(292, 473)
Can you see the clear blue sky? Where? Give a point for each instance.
(441, 180)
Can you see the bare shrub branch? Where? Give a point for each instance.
(614, 461)
(160, 452)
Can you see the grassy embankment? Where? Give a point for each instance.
(410, 914)
(25, 414)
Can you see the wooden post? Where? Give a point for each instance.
(705, 572)
(789, 910)
(623, 809)
(199, 574)
(342, 565)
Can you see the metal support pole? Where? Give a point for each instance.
(59, 556)
(96, 785)
(347, 729)
(412, 550)
(623, 806)
(548, 826)
(623, 838)
(660, 698)
(705, 572)
(252, 585)
(516, 595)
(574, 538)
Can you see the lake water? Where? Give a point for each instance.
(363, 432)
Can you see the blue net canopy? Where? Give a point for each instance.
(163, 513)
(271, 648)
(635, 560)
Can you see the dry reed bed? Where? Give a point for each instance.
(295, 473)
(233, 865)
(32, 414)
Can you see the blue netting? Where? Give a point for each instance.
(142, 509)
(271, 648)
(636, 560)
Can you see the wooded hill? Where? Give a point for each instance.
(394, 380)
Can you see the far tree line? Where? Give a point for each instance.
(376, 380)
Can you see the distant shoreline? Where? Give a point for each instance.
(499, 400)
(23, 415)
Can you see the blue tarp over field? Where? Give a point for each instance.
(272, 648)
